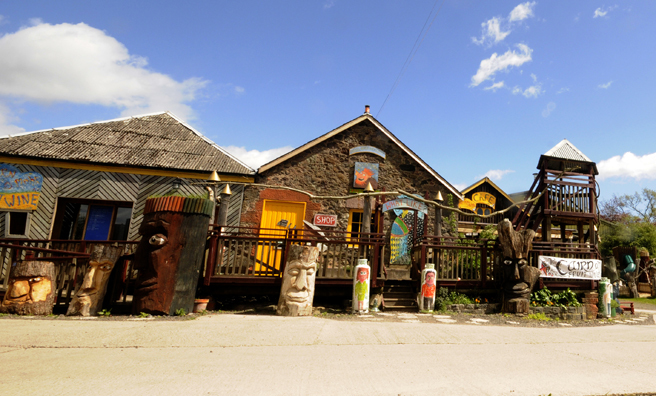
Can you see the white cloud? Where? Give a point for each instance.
(255, 158)
(491, 32)
(496, 63)
(551, 106)
(628, 166)
(328, 4)
(562, 90)
(601, 12)
(522, 11)
(495, 86)
(496, 174)
(605, 86)
(516, 90)
(533, 91)
(6, 118)
(239, 90)
(83, 65)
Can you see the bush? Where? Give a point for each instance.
(545, 298)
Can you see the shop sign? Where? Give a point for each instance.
(367, 149)
(467, 204)
(484, 198)
(325, 220)
(405, 203)
(19, 190)
(558, 267)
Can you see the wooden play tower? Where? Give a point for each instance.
(566, 210)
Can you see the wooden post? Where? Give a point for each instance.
(563, 232)
(297, 291)
(222, 219)
(546, 228)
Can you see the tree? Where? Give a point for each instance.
(634, 221)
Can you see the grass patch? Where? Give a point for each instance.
(646, 300)
(538, 316)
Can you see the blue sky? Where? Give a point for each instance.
(493, 85)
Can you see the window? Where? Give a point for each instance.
(78, 219)
(17, 224)
(355, 222)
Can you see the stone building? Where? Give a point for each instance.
(342, 162)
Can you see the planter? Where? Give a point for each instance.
(200, 304)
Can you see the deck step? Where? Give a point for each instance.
(400, 295)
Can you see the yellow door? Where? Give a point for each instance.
(277, 218)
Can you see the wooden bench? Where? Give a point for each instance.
(627, 306)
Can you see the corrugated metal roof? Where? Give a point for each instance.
(153, 141)
(566, 150)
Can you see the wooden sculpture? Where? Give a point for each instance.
(89, 296)
(297, 292)
(517, 277)
(31, 289)
(170, 254)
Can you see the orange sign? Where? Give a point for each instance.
(26, 200)
(484, 198)
(467, 204)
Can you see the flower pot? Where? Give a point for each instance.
(200, 304)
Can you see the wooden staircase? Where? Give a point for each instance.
(400, 295)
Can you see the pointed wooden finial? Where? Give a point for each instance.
(226, 190)
(369, 188)
(214, 177)
(439, 196)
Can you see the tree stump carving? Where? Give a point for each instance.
(297, 292)
(31, 289)
(518, 278)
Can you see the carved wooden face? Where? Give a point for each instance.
(28, 290)
(157, 258)
(298, 283)
(517, 279)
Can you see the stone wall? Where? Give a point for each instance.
(327, 169)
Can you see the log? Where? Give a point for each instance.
(89, 296)
(297, 291)
(31, 289)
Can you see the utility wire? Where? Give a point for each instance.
(413, 51)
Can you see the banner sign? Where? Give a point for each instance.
(484, 198)
(558, 267)
(325, 220)
(405, 203)
(19, 190)
(367, 149)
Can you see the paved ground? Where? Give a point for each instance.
(241, 354)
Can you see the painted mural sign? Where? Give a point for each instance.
(367, 149)
(467, 204)
(558, 267)
(408, 212)
(19, 190)
(325, 220)
(403, 202)
(365, 173)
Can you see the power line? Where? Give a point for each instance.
(413, 51)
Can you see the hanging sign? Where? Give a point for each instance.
(467, 204)
(485, 198)
(365, 173)
(19, 190)
(367, 149)
(325, 220)
(405, 203)
(558, 267)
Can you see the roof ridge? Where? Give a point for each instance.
(553, 152)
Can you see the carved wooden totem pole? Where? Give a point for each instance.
(297, 290)
(89, 296)
(517, 277)
(170, 254)
(31, 289)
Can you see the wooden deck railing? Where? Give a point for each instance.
(256, 254)
(562, 249)
(461, 261)
(69, 257)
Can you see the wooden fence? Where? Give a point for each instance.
(239, 254)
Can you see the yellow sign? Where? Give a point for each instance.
(484, 198)
(467, 204)
(25, 200)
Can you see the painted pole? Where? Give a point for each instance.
(604, 297)
(361, 277)
(427, 297)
